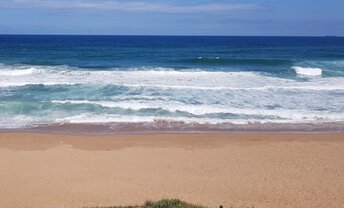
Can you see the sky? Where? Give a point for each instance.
(173, 17)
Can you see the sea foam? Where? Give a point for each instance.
(62, 94)
(307, 71)
(18, 72)
(167, 79)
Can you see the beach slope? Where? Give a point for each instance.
(236, 170)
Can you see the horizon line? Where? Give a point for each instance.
(171, 35)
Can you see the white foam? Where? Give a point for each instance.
(307, 71)
(166, 79)
(295, 115)
(17, 121)
(199, 93)
(210, 58)
(168, 106)
(19, 72)
(92, 118)
(89, 118)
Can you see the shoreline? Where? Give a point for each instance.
(161, 133)
(162, 127)
(264, 170)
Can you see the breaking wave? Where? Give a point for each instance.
(36, 95)
(166, 78)
(307, 71)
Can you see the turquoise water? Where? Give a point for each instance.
(110, 80)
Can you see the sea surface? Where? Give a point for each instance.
(172, 83)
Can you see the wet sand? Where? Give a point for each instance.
(234, 169)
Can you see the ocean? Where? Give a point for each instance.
(171, 83)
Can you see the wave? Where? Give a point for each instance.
(307, 71)
(93, 111)
(63, 94)
(92, 118)
(333, 68)
(27, 122)
(18, 121)
(172, 107)
(208, 110)
(89, 118)
(165, 78)
(17, 72)
(333, 64)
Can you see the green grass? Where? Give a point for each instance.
(165, 203)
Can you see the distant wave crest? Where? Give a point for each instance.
(307, 71)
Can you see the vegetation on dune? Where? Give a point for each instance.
(168, 203)
(165, 203)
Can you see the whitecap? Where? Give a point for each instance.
(17, 72)
(307, 71)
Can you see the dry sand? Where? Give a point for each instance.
(238, 170)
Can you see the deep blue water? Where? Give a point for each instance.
(209, 80)
(106, 52)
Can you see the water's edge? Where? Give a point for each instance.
(180, 128)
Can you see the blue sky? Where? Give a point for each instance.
(173, 17)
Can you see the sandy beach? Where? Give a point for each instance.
(236, 170)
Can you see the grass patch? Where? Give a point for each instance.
(165, 203)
